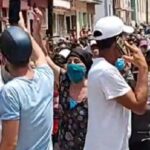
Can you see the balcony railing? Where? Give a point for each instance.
(62, 4)
(92, 1)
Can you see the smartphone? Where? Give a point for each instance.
(121, 46)
(14, 9)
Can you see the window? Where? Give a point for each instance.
(73, 20)
(85, 19)
(80, 19)
(54, 23)
(61, 25)
(68, 24)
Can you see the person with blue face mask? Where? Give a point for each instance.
(110, 98)
(73, 99)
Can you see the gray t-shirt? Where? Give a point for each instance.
(1, 85)
(30, 102)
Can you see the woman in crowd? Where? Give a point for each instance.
(73, 101)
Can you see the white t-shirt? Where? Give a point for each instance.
(108, 120)
(1, 85)
(1, 80)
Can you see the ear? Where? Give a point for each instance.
(3, 60)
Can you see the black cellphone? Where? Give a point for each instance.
(14, 9)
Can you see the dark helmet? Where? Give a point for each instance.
(16, 45)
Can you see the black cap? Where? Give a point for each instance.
(16, 45)
(84, 55)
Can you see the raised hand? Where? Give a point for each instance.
(21, 22)
(37, 23)
(137, 58)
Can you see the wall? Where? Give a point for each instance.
(141, 11)
(149, 11)
(80, 6)
(62, 4)
(123, 10)
(84, 15)
(41, 3)
(62, 9)
(24, 3)
(103, 9)
(5, 4)
(99, 11)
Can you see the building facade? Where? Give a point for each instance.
(141, 13)
(104, 8)
(63, 17)
(85, 11)
(27, 14)
(122, 8)
(72, 14)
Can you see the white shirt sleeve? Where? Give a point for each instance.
(113, 84)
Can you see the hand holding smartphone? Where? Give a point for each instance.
(121, 46)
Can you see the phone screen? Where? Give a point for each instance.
(14, 9)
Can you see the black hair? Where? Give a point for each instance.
(20, 64)
(59, 60)
(106, 43)
(17, 64)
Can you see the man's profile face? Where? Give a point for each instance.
(4, 62)
(115, 52)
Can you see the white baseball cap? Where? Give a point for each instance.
(110, 26)
(65, 53)
(93, 42)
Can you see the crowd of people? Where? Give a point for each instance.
(77, 94)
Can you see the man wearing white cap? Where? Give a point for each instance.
(110, 97)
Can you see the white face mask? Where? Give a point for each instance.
(6, 76)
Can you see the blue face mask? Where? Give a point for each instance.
(120, 64)
(72, 103)
(76, 72)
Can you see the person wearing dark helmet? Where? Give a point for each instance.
(110, 98)
(26, 106)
